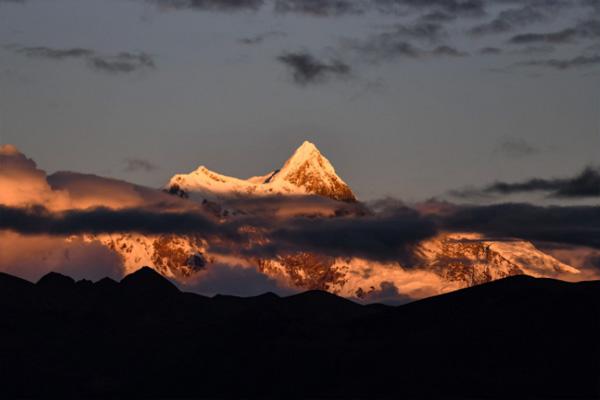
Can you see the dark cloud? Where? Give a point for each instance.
(563, 64)
(123, 62)
(563, 36)
(321, 8)
(516, 147)
(38, 220)
(384, 47)
(453, 7)
(210, 5)
(438, 16)
(389, 46)
(50, 53)
(533, 49)
(490, 50)
(448, 51)
(307, 69)
(428, 31)
(334, 8)
(567, 225)
(261, 38)
(508, 20)
(588, 29)
(386, 236)
(138, 164)
(584, 184)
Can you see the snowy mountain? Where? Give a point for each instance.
(306, 172)
(472, 259)
(444, 263)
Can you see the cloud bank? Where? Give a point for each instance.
(584, 184)
(80, 209)
(120, 63)
(306, 69)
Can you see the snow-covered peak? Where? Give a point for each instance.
(306, 151)
(310, 170)
(307, 156)
(306, 172)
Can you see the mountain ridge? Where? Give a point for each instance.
(515, 337)
(306, 172)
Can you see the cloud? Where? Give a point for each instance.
(587, 29)
(584, 184)
(387, 293)
(24, 184)
(420, 30)
(123, 62)
(384, 231)
(210, 5)
(448, 51)
(438, 16)
(38, 220)
(53, 54)
(138, 164)
(567, 225)
(385, 236)
(257, 39)
(380, 237)
(516, 148)
(391, 45)
(508, 20)
(585, 259)
(490, 50)
(236, 280)
(321, 8)
(453, 7)
(397, 42)
(32, 256)
(563, 64)
(88, 191)
(307, 69)
(332, 8)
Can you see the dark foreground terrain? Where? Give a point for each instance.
(142, 337)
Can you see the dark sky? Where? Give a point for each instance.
(406, 98)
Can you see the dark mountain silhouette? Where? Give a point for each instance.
(54, 281)
(142, 337)
(148, 281)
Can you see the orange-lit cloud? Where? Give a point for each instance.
(31, 257)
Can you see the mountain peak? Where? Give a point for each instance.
(307, 148)
(312, 171)
(306, 172)
(146, 279)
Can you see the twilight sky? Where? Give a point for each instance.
(407, 98)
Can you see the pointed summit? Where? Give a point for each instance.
(147, 280)
(312, 171)
(307, 151)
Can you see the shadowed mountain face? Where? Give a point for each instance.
(518, 336)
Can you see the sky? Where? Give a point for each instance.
(409, 99)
